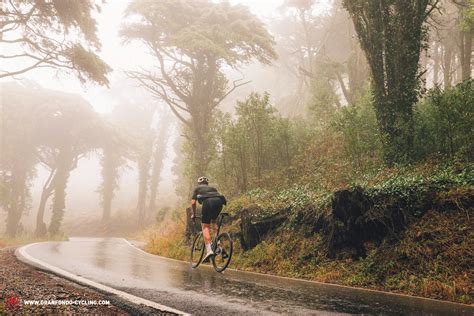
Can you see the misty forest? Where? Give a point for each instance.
(339, 131)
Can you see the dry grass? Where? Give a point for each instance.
(25, 239)
(433, 259)
(167, 239)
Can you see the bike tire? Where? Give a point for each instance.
(197, 250)
(218, 261)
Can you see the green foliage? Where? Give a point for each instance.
(467, 16)
(88, 65)
(257, 148)
(358, 126)
(322, 104)
(200, 38)
(42, 126)
(444, 123)
(392, 47)
(229, 33)
(56, 34)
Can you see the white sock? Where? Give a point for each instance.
(208, 248)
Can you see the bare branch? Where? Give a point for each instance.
(170, 82)
(18, 72)
(235, 85)
(161, 94)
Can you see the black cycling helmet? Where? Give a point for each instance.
(202, 180)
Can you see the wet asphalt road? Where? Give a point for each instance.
(115, 263)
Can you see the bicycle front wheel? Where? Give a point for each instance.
(223, 252)
(197, 250)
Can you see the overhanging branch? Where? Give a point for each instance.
(235, 85)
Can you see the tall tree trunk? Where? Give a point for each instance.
(200, 144)
(158, 157)
(65, 165)
(436, 60)
(358, 73)
(391, 34)
(465, 54)
(423, 67)
(17, 203)
(143, 169)
(143, 164)
(447, 66)
(111, 162)
(347, 93)
(41, 229)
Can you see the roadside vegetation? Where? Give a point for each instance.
(359, 173)
(349, 218)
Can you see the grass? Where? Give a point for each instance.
(410, 266)
(431, 258)
(24, 239)
(166, 239)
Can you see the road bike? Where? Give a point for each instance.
(222, 247)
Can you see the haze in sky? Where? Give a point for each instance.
(121, 57)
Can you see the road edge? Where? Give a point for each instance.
(394, 294)
(23, 256)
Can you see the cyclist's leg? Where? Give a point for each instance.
(206, 232)
(214, 227)
(215, 207)
(206, 225)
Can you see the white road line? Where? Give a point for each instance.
(129, 297)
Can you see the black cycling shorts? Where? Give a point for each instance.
(211, 208)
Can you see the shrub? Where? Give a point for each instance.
(444, 123)
(358, 126)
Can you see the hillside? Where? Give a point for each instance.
(407, 231)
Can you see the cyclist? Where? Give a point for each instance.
(212, 202)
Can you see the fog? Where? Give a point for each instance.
(82, 197)
(301, 50)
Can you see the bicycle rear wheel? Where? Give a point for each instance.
(223, 252)
(197, 250)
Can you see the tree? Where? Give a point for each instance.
(159, 150)
(192, 42)
(68, 129)
(51, 34)
(115, 148)
(451, 47)
(255, 115)
(19, 125)
(40, 125)
(306, 42)
(321, 47)
(466, 32)
(255, 149)
(139, 117)
(392, 35)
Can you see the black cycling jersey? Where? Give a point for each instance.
(203, 191)
(211, 200)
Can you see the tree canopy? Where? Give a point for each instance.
(192, 42)
(392, 35)
(51, 34)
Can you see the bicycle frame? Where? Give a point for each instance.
(214, 246)
(220, 218)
